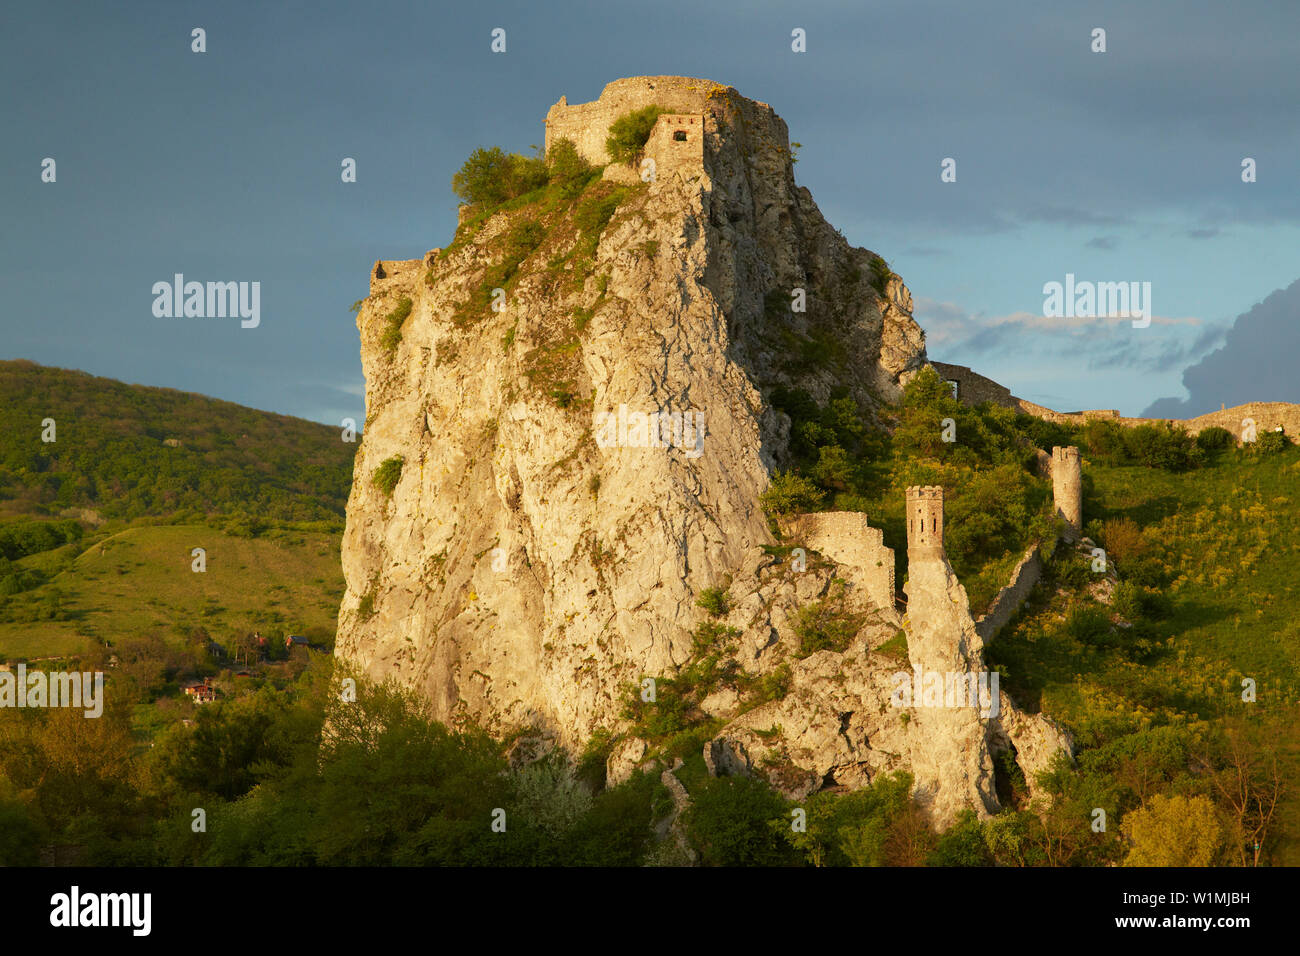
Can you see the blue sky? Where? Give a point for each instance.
(1115, 166)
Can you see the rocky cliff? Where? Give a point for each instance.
(581, 421)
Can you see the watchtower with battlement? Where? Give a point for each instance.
(925, 521)
(1067, 488)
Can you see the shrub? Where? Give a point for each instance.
(594, 214)
(729, 823)
(569, 173)
(522, 239)
(491, 176)
(366, 606)
(988, 515)
(789, 493)
(1089, 624)
(1136, 603)
(825, 626)
(1270, 443)
(388, 473)
(880, 276)
(393, 333)
(1123, 540)
(1105, 439)
(1160, 447)
(628, 134)
(962, 844)
(1215, 438)
(1173, 830)
(715, 601)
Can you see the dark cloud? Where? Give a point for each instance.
(1202, 233)
(1167, 356)
(1253, 365)
(1105, 243)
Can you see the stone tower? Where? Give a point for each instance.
(925, 521)
(1067, 488)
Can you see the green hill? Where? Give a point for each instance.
(97, 526)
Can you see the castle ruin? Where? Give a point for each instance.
(696, 109)
(847, 539)
(587, 124)
(971, 388)
(1067, 489)
(925, 522)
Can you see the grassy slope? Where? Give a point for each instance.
(1229, 538)
(131, 575)
(139, 580)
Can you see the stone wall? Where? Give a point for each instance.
(1267, 416)
(676, 142)
(385, 271)
(973, 388)
(587, 124)
(847, 539)
(1009, 599)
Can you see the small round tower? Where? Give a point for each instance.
(1067, 488)
(925, 520)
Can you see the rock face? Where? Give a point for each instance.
(578, 466)
(520, 573)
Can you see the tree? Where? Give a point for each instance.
(1173, 830)
(492, 176)
(628, 134)
(790, 493)
(1243, 767)
(568, 171)
(729, 823)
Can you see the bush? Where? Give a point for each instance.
(388, 473)
(1136, 603)
(1105, 440)
(1173, 830)
(1089, 624)
(825, 626)
(628, 134)
(491, 176)
(729, 823)
(569, 173)
(594, 214)
(714, 600)
(856, 829)
(880, 276)
(988, 516)
(1215, 438)
(1160, 447)
(393, 333)
(963, 844)
(1123, 540)
(789, 493)
(1270, 443)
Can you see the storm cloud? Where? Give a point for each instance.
(1246, 367)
